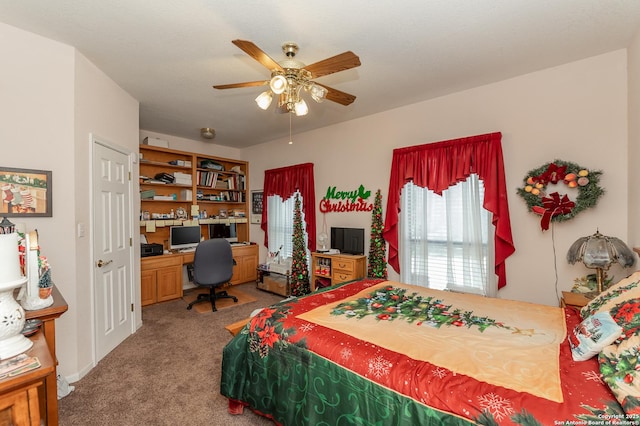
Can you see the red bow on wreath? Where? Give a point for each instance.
(554, 205)
(553, 174)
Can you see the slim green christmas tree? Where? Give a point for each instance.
(377, 249)
(299, 269)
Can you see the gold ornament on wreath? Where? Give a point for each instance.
(559, 190)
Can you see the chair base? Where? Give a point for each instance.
(211, 297)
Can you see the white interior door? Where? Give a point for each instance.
(112, 247)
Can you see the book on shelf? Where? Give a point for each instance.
(165, 177)
(17, 365)
(183, 163)
(154, 181)
(182, 178)
(147, 194)
(208, 179)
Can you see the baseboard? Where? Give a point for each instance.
(77, 376)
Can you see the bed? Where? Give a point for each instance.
(387, 353)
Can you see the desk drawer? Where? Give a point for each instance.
(343, 276)
(347, 265)
(156, 262)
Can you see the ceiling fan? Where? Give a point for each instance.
(290, 77)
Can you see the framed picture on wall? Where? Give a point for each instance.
(25, 192)
(256, 206)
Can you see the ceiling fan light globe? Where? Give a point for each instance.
(278, 84)
(264, 100)
(301, 108)
(318, 93)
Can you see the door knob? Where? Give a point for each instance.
(102, 263)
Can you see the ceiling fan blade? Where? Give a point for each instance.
(341, 62)
(336, 95)
(246, 84)
(258, 54)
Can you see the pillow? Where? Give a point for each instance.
(618, 366)
(623, 290)
(592, 335)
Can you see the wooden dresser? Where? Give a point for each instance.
(20, 396)
(332, 269)
(48, 394)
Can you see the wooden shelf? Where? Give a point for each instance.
(156, 160)
(165, 164)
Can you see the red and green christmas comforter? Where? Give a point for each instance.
(376, 352)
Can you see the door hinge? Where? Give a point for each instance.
(129, 175)
(132, 307)
(130, 242)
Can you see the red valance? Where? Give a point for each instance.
(440, 165)
(285, 181)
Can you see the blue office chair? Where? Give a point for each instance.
(213, 267)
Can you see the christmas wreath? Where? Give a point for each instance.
(560, 190)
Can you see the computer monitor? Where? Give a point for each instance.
(223, 230)
(184, 237)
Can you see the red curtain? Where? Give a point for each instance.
(284, 182)
(440, 165)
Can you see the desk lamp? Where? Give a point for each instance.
(599, 252)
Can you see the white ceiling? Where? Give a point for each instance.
(168, 53)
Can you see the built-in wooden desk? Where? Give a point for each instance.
(161, 276)
(48, 315)
(19, 396)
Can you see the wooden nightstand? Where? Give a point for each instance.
(574, 300)
(19, 395)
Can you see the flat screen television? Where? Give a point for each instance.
(348, 240)
(222, 230)
(184, 237)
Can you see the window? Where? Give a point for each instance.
(446, 240)
(284, 183)
(438, 167)
(280, 226)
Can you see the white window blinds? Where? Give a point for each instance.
(446, 242)
(280, 225)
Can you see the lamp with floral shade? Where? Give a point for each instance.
(599, 252)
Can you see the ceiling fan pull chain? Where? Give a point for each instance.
(290, 136)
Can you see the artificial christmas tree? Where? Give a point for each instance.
(377, 249)
(299, 266)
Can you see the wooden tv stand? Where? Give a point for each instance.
(334, 269)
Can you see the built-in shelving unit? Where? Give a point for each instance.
(205, 189)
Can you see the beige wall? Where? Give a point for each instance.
(189, 145)
(107, 112)
(576, 112)
(634, 141)
(52, 99)
(37, 111)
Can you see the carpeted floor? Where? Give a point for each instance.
(167, 373)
